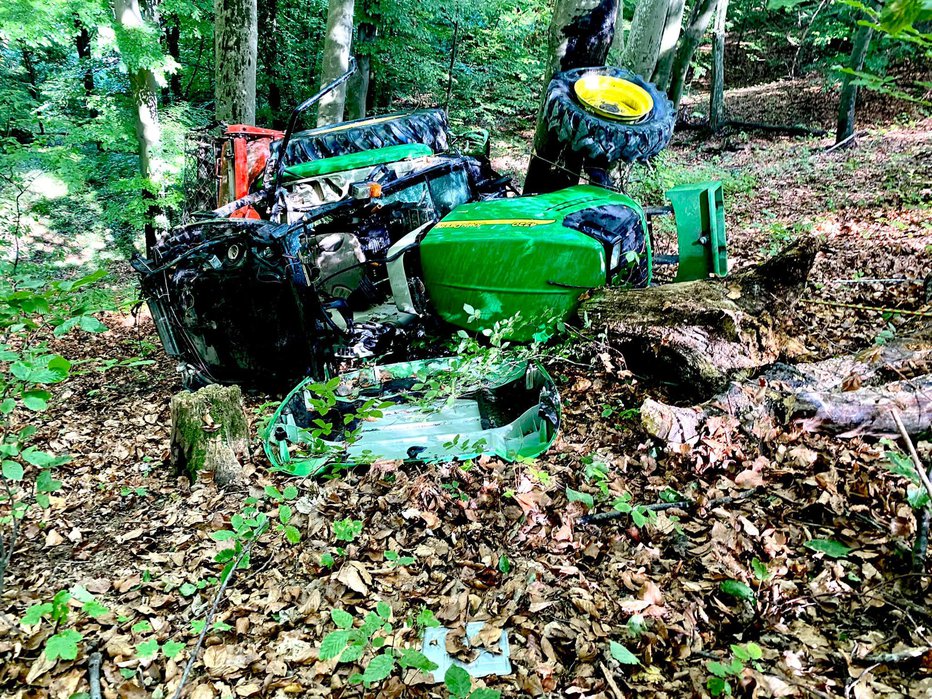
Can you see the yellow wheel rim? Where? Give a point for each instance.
(613, 98)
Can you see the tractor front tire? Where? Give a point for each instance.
(600, 141)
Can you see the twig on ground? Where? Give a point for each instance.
(894, 657)
(678, 505)
(611, 682)
(213, 609)
(93, 670)
(843, 143)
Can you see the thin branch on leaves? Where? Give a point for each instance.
(213, 610)
(600, 517)
(93, 669)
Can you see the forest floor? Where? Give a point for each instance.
(500, 542)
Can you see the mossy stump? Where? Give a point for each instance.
(210, 433)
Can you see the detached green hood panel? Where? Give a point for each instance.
(431, 410)
(510, 258)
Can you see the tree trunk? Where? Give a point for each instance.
(617, 48)
(702, 334)
(668, 41)
(83, 45)
(210, 433)
(268, 53)
(698, 22)
(717, 94)
(337, 44)
(172, 43)
(357, 89)
(144, 93)
(581, 34)
(643, 45)
(235, 49)
(847, 100)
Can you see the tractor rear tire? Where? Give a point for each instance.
(427, 126)
(600, 141)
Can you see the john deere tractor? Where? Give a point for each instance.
(345, 241)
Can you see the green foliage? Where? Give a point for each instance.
(459, 685)
(830, 547)
(902, 465)
(737, 589)
(622, 654)
(718, 682)
(365, 645)
(65, 642)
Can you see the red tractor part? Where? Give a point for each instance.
(244, 152)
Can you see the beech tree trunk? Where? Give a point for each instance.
(702, 334)
(847, 100)
(173, 44)
(580, 36)
(210, 433)
(357, 88)
(699, 20)
(672, 27)
(717, 95)
(268, 54)
(235, 56)
(337, 44)
(144, 92)
(643, 45)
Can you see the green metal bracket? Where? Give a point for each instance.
(699, 210)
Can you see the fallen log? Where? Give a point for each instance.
(842, 396)
(705, 333)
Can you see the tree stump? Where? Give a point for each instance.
(703, 334)
(210, 432)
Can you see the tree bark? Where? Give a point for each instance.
(847, 100)
(357, 89)
(717, 95)
(268, 54)
(173, 45)
(210, 433)
(337, 44)
(643, 45)
(702, 334)
(83, 45)
(580, 36)
(144, 93)
(698, 23)
(843, 396)
(670, 37)
(235, 56)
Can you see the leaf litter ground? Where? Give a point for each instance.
(502, 542)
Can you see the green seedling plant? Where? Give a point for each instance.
(721, 673)
(902, 465)
(398, 561)
(29, 371)
(459, 685)
(366, 645)
(245, 528)
(65, 642)
(285, 513)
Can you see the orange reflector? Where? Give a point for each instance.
(375, 190)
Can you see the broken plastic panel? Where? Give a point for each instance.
(485, 663)
(430, 410)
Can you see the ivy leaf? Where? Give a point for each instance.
(95, 609)
(622, 654)
(187, 589)
(148, 648)
(35, 613)
(378, 669)
(292, 534)
(384, 610)
(36, 400)
(63, 645)
(457, 682)
(737, 589)
(576, 496)
(761, 571)
(341, 618)
(172, 648)
(830, 547)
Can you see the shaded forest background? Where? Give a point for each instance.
(71, 75)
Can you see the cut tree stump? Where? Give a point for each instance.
(705, 333)
(210, 433)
